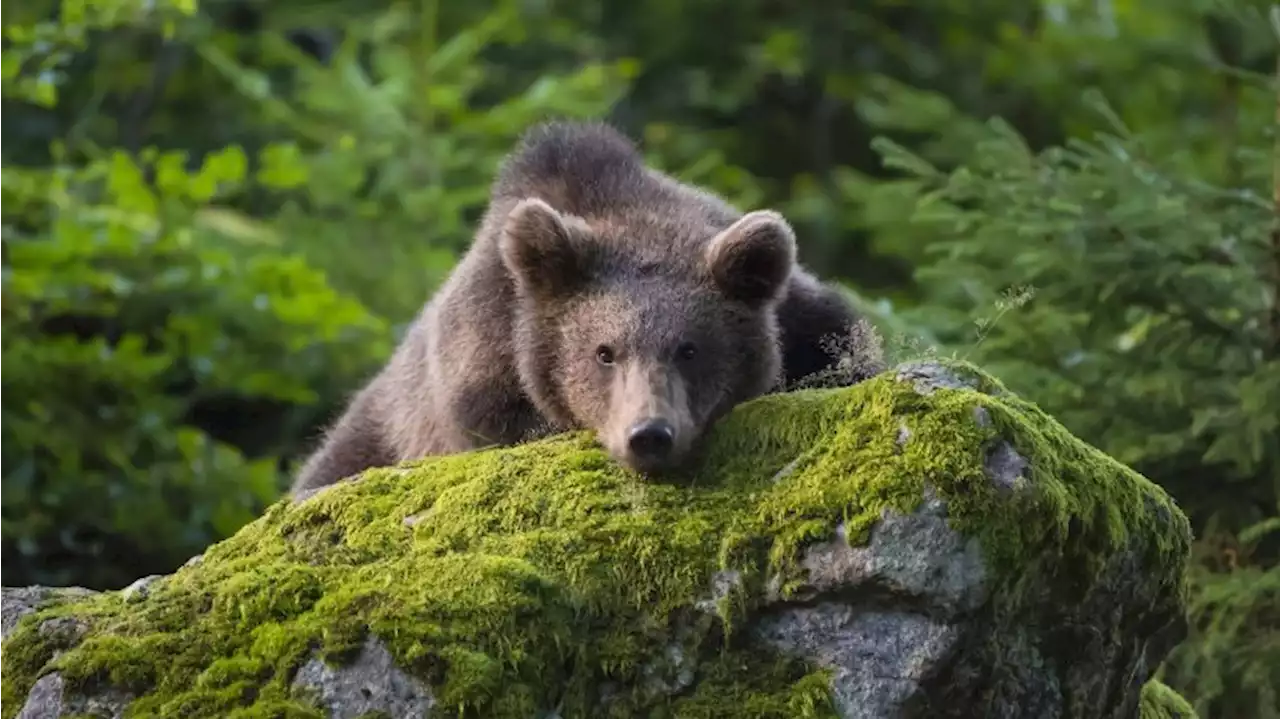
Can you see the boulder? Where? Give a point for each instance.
(922, 544)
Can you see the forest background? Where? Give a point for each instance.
(218, 218)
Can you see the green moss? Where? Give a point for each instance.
(517, 579)
(1161, 702)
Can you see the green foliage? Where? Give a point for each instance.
(388, 148)
(177, 322)
(117, 294)
(1151, 326)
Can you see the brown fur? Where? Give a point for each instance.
(587, 255)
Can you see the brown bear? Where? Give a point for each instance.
(598, 294)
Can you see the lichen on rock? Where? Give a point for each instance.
(924, 543)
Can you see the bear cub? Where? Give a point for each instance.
(598, 294)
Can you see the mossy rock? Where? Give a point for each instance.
(921, 544)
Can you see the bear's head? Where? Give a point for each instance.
(645, 339)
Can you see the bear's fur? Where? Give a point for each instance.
(598, 294)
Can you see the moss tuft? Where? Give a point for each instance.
(514, 580)
(1161, 702)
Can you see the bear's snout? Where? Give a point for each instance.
(650, 427)
(651, 440)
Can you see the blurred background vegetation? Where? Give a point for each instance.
(218, 217)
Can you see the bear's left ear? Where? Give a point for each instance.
(751, 261)
(541, 250)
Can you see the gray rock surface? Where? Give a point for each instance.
(370, 683)
(49, 699)
(18, 602)
(882, 659)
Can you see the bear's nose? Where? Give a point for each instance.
(651, 439)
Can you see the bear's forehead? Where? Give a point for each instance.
(662, 236)
(640, 295)
(646, 307)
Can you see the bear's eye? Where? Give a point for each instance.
(686, 351)
(604, 355)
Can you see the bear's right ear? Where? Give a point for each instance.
(539, 249)
(752, 259)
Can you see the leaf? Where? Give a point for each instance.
(895, 156)
(1255, 532)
